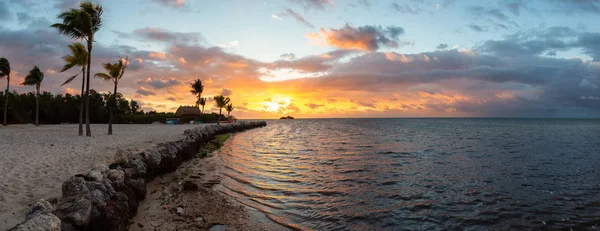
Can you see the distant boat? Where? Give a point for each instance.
(286, 118)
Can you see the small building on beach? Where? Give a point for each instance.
(188, 111)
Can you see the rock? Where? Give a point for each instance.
(74, 186)
(122, 157)
(40, 207)
(100, 192)
(41, 222)
(116, 176)
(101, 167)
(139, 166)
(187, 132)
(95, 175)
(189, 186)
(112, 216)
(219, 228)
(75, 209)
(138, 186)
(180, 210)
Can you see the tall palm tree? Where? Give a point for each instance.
(82, 23)
(35, 77)
(5, 71)
(221, 101)
(229, 109)
(78, 57)
(197, 89)
(202, 102)
(115, 73)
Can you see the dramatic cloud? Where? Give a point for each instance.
(441, 46)
(159, 83)
(293, 14)
(145, 92)
(368, 38)
(315, 4)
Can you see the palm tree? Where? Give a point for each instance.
(78, 57)
(5, 71)
(229, 108)
(82, 23)
(221, 101)
(197, 89)
(115, 73)
(35, 77)
(202, 102)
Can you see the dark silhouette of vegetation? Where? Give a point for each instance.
(59, 108)
(221, 102)
(82, 23)
(35, 78)
(202, 101)
(286, 118)
(5, 72)
(78, 57)
(229, 108)
(197, 89)
(115, 73)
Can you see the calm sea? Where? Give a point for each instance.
(419, 174)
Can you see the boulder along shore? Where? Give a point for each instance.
(106, 197)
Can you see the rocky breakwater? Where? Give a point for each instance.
(106, 197)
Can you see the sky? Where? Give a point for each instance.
(330, 58)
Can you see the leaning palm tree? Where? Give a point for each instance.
(35, 77)
(221, 101)
(82, 23)
(115, 73)
(229, 109)
(202, 101)
(5, 71)
(197, 89)
(78, 57)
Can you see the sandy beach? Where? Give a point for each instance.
(36, 160)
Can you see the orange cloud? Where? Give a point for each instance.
(367, 38)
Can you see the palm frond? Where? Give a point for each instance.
(70, 79)
(4, 67)
(103, 76)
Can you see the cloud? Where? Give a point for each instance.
(226, 92)
(477, 28)
(313, 106)
(145, 92)
(405, 8)
(367, 38)
(570, 7)
(5, 14)
(288, 56)
(162, 35)
(441, 46)
(293, 14)
(314, 4)
(159, 83)
(171, 3)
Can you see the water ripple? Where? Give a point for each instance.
(419, 174)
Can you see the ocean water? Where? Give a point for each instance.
(419, 174)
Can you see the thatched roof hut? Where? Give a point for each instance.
(187, 110)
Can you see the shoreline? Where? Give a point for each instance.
(106, 197)
(169, 206)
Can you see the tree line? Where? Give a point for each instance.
(82, 24)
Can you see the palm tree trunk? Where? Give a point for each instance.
(202, 109)
(6, 100)
(37, 106)
(81, 105)
(112, 110)
(219, 119)
(88, 131)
